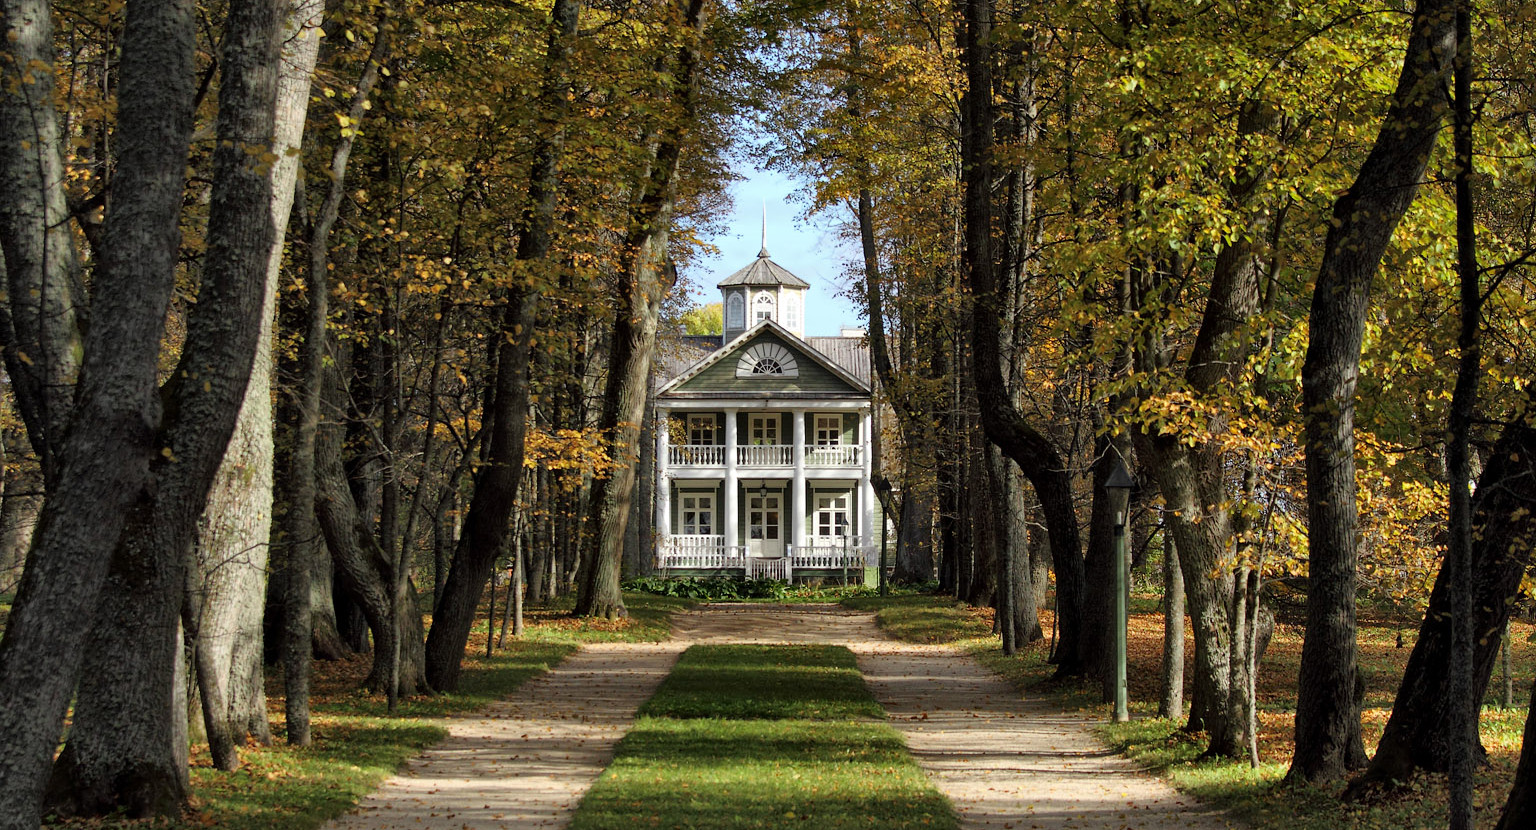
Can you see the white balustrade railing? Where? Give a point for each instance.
(840, 455)
(832, 552)
(704, 552)
(699, 551)
(696, 455)
(772, 455)
(777, 567)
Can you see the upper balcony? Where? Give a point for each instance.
(765, 455)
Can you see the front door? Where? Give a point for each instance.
(764, 525)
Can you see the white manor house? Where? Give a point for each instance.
(763, 441)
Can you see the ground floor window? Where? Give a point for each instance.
(831, 514)
(698, 514)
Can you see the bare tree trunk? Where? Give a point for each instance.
(1327, 718)
(648, 278)
(1520, 807)
(366, 571)
(1004, 424)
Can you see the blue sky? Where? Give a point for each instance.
(811, 250)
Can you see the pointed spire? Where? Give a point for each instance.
(763, 254)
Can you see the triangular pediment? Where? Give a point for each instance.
(766, 359)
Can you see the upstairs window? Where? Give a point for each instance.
(763, 308)
(735, 311)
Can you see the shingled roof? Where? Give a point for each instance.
(763, 271)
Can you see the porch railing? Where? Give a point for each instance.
(777, 567)
(841, 455)
(832, 552)
(773, 455)
(706, 552)
(696, 455)
(699, 551)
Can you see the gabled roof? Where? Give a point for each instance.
(763, 271)
(730, 350)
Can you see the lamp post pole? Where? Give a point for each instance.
(1118, 489)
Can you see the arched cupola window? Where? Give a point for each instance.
(762, 309)
(735, 311)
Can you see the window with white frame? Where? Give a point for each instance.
(701, 429)
(791, 311)
(831, 514)
(735, 311)
(829, 430)
(762, 309)
(698, 513)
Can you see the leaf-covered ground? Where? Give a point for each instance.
(1385, 640)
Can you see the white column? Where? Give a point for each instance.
(663, 480)
(797, 492)
(866, 486)
(728, 498)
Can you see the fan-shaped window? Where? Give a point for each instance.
(767, 360)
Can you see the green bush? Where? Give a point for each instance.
(712, 588)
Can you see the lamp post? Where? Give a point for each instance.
(1118, 489)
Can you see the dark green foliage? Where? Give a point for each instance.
(713, 588)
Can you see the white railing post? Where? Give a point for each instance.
(728, 497)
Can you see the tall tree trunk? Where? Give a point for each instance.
(104, 458)
(39, 326)
(227, 578)
(1419, 733)
(1327, 718)
(1004, 424)
(367, 573)
(648, 277)
(1171, 705)
(1465, 709)
(126, 748)
(298, 627)
(1520, 807)
(496, 486)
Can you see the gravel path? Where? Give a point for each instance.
(1004, 762)
(526, 761)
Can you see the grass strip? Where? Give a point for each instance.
(765, 682)
(763, 736)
